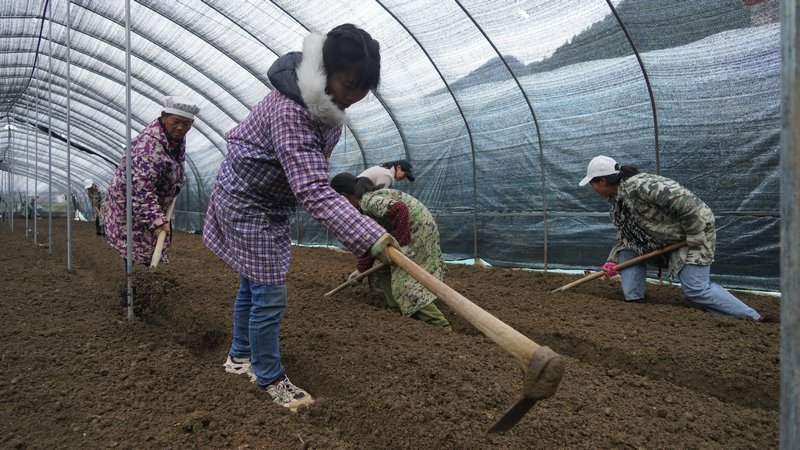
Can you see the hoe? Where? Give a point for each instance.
(542, 368)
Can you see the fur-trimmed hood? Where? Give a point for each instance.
(302, 78)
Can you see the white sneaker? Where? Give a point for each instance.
(239, 366)
(286, 394)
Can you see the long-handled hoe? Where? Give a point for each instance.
(620, 266)
(150, 286)
(542, 368)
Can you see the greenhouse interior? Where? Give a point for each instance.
(499, 105)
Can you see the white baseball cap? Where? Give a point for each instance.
(87, 183)
(599, 166)
(180, 106)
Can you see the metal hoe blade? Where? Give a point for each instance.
(543, 373)
(513, 415)
(542, 368)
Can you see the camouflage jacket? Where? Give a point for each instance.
(409, 294)
(669, 213)
(96, 198)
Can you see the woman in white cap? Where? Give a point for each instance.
(651, 212)
(96, 198)
(157, 174)
(278, 159)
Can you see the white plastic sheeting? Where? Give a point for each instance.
(499, 105)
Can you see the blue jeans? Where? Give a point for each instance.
(696, 284)
(257, 315)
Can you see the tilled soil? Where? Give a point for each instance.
(76, 373)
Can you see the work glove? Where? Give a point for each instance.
(353, 278)
(406, 249)
(610, 268)
(380, 247)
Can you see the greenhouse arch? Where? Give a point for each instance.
(499, 105)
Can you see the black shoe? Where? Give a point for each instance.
(767, 319)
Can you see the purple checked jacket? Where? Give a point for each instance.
(278, 158)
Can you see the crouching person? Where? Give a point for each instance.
(410, 222)
(651, 212)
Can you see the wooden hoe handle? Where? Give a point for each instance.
(542, 367)
(502, 334)
(162, 236)
(360, 276)
(628, 263)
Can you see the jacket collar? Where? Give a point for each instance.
(312, 81)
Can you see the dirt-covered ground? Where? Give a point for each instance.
(75, 373)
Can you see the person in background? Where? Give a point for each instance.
(650, 212)
(415, 229)
(76, 207)
(96, 197)
(389, 172)
(32, 205)
(157, 174)
(278, 158)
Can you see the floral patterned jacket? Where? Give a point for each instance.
(157, 174)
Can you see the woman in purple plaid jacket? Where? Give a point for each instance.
(278, 158)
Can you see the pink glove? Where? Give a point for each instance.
(610, 268)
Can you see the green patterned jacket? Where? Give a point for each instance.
(409, 294)
(96, 198)
(669, 213)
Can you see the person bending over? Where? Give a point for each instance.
(410, 222)
(278, 158)
(650, 212)
(158, 156)
(389, 172)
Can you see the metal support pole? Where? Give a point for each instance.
(3, 194)
(69, 148)
(7, 196)
(10, 175)
(790, 228)
(36, 169)
(27, 181)
(50, 128)
(128, 180)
